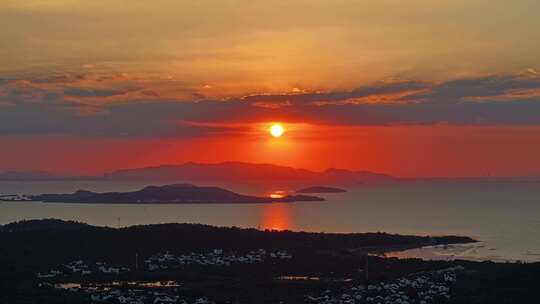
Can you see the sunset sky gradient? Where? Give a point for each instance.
(409, 88)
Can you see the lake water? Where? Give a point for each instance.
(504, 216)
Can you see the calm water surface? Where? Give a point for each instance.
(504, 216)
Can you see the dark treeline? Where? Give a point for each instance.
(57, 240)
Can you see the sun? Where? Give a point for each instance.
(277, 130)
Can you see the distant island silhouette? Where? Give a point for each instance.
(242, 172)
(192, 172)
(168, 194)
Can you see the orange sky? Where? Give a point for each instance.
(403, 151)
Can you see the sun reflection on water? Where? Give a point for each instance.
(277, 216)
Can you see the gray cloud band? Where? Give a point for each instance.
(495, 100)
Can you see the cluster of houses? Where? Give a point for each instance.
(81, 268)
(422, 288)
(216, 257)
(163, 261)
(14, 198)
(132, 293)
(138, 296)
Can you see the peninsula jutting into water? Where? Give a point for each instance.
(195, 263)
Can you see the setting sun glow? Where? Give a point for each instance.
(277, 130)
